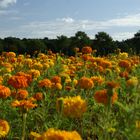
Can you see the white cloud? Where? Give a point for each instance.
(68, 20)
(69, 26)
(8, 12)
(129, 20)
(122, 35)
(6, 3)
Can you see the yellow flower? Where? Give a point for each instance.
(35, 73)
(71, 106)
(37, 66)
(123, 55)
(4, 128)
(34, 135)
(51, 63)
(58, 86)
(46, 66)
(11, 54)
(52, 134)
(97, 79)
(74, 82)
(133, 81)
(28, 62)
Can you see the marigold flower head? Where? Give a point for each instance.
(124, 64)
(34, 73)
(20, 94)
(23, 104)
(11, 54)
(58, 86)
(4, 128)
(20, 58)
(133, 81)
(18, 82)
(85, 83)
(86, 50)
(51, 63)
(124, 74)
(102, 96)
(28, 62)
(112, 84)
(97, 79)
(46, 66)
(37, 66)
(85, 57)
(52, 134)
(27, 76)
(4, 92)
(72, 106)
(38, 96)
(56, 79)
(45, 83)
(106, 64)
(123, 55)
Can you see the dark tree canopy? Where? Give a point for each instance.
(103, 43)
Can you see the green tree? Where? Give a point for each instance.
(63, 44)
(80, 40)
(103, 43)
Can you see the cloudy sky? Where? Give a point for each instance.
(52, 18)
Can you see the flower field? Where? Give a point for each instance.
(55, 97)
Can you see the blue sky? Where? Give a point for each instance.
(52, 18)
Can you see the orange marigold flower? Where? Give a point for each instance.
(102, 96)
(11, 54)
(112, 84)
(20, 94)
(71, 106)
(24, 104)
(27, 76)
(56, 79)
(18, 82)
(4, 128)
(38, 96)
(105, 64)
(52, 134)
(124, 64)
(4, 92)
(45, 83)
(124, 74)
(85, 83)
(68, 88)
(85, 57)
(86, 50)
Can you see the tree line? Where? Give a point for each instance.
(103, 43)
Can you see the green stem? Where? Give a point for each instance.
(24, 126)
